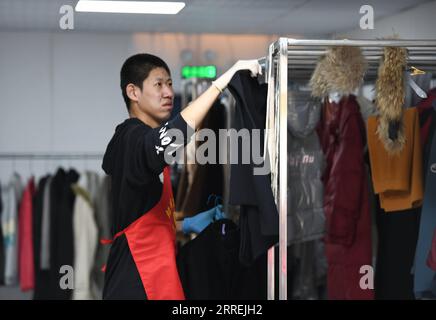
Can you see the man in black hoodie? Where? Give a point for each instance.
(141, 263)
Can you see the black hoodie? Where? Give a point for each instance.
(134, 159)
(259, 218)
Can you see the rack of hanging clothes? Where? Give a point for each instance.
(198, 187)
(294, 63)
(209, 262)
(52, 221)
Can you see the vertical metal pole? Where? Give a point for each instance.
(283, 177)
(269, 111)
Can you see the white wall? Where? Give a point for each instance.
(59, 92)
(415, 23)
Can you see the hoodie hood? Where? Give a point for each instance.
(341, 69)
(109, 158)
(390, 96)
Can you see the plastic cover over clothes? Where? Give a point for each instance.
(306, 220)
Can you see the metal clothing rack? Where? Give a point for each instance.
(296, 59)
(50, 156)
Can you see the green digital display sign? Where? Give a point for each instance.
(208, 72)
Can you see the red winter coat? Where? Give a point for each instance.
(25, 241)
(346, 203)
(425, 118)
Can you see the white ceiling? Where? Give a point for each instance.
(282, 17)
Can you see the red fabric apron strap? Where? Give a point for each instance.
(151, 239)
(109, 241)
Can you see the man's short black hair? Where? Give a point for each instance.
(136, 69)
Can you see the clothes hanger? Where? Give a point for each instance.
(217, 199)
(219, 212)
(200, 221)
(223, 229)
(335, 96)
(413, 71)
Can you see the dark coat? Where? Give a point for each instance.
(346, 203)
(259, 218)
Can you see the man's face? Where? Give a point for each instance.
(156, 97)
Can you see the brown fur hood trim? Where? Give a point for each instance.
(341, 69)
(390, 95)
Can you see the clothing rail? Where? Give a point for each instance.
(283, 56)
(50, 156)
(357, 43)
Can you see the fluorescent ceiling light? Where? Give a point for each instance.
(150, 7)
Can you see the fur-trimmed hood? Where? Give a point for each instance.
(341, 69)
(390, 95)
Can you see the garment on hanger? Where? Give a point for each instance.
(368, 109)
(424, 276)
(72, 236)
(205, 179)
(341, 130)
(25, 238)
(427, 123)
(31, 203)
(45, 225)
(61, 227)
(398, 181)
(2, 249)
(259, 217)
(210, 269)
(42, 276)
(85, 236)
(307, 271)
(346, 205)
(12, 193)
(397, 178)
(103, 218)
(397, 236)
(306, 220)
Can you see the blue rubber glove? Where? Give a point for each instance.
(200, 221)
(219, 214)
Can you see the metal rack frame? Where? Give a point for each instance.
(297, 58)
(50, 156)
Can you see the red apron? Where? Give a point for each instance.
(151, 239)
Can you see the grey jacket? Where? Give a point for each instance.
(45, 227)
(306, 220)
(103, 218)
(11, 198)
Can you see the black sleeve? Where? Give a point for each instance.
(148, 149)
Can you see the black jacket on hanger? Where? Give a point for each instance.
(259, 219)
(61, 229)
(42, 277)
(209, 266)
